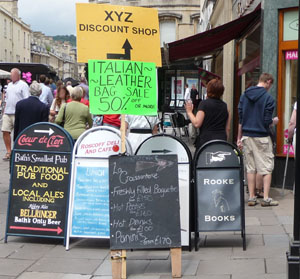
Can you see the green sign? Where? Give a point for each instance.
(122, 87)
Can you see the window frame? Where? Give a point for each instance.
(283, 46)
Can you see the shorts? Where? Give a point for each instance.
(8, 122)
(258, 155)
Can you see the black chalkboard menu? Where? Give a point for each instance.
(144, 202)
(39, 183)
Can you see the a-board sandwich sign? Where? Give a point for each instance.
(144, 202)
(89, 197)
(117, 32)
(168, 145)
(122, 87)
(39, 182)
(219, 189)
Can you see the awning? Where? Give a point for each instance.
(213, 39)
(4, 74)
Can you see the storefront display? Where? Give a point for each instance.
(287, 75)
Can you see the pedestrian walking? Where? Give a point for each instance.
(16, 90)
(213, 117)
(83, 100)
(196, 100)
(83, 84)
(30, 110)
(259, 178)
(111, 120)
(140, 128)
(61, 98)
(46, 97)
(58, 84)
(52, 85)
(187, 94)
(292, 128)
(75, 116)
(255, 109)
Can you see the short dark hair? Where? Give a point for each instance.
(42, 78)
(215, 89)
(47, 81)
(264, 77)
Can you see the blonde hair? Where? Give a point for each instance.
(77, 93)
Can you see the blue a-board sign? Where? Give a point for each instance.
(89, 192)
(40, 182)
(91, 202)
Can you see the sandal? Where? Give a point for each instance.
(259, 195)
(7, 156)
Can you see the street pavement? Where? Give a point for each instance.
(220, 255)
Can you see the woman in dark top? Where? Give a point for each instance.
(212, 116)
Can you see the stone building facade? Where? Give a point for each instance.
(60, 56)
(14, 33)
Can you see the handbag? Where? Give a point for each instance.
(62, 124)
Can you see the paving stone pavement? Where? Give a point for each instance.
(219, 257)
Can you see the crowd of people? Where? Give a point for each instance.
(69, 107)
(64, 105)
(256, 108)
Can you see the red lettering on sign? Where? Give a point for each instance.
(43, 139)
(55, 141)
(24, 140)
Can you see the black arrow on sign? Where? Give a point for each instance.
(165, 151)
(126, 56)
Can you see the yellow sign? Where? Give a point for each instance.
(117, 32)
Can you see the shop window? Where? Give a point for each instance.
(289, 93)
(10, 31)
(247, 65)
(5, 28)
(167, 31)
(290, 25)
(249, 60)
(287, 75)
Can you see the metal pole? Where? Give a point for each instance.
(297, 161)
(285, 169)
(293, 255)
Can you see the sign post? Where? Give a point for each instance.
(122, 87)
(219, 189)
(117, 32)
(130, 35)
(39, 183)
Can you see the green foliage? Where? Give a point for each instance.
(64, 38)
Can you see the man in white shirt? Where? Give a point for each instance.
(187, 95)
(46, 97)
(16, 91)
